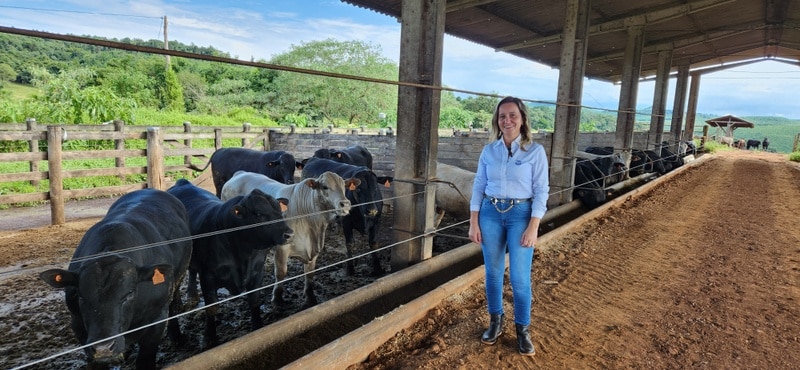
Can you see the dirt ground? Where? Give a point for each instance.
(702, 272)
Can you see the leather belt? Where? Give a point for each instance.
(506, 200)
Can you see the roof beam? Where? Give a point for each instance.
(457, 5)
(621, 24)
(678, 43)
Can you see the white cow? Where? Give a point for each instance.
(453, 191)
(313, 204)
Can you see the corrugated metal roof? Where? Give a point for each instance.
(701, 33)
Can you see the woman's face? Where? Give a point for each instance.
(509, 119)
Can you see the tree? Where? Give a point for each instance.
(335, 99)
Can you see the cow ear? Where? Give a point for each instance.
(238, 211)
(300, 165)
(273, 163)
(58, 278)
(312, 184)
(284, 204)
(156, 274)
(352, 183)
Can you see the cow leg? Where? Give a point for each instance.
(191, 287)
(439, 217)
(349, 243)
(281, 267)
(254, 300)
(173, 327)
(148, 347)
(210, 297)
(377, 270)
(308, 269)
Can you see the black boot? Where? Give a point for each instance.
(495, 329)
(524, 341)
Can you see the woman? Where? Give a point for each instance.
(509, 198)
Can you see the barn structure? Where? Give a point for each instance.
(617, 41)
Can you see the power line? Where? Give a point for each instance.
(79, 12)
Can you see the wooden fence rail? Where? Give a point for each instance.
(160, 143)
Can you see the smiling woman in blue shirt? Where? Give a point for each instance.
(509, 199)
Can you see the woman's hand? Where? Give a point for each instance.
(475, 234)
(474, 228)
(531, 235)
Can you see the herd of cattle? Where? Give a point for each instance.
(126, 271)
(742, 144)
(597, 168)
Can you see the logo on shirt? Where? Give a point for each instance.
(518, 162)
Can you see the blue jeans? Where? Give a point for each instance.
(501, 230)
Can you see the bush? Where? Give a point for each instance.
(713, 146)
(794, 156)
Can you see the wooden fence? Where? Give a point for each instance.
(456, 148)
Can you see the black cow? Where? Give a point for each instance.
(112, 287)
(366, 200)
(588, 183)
(641, 163)
(765, 144)
(278, 165)
(671, 159)
(659, 165)
(230, 259)
(353, 154)
(751, 143)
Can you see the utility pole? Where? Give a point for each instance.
(166, 40)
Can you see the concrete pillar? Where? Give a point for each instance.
(632, 66)
(421, 39)
(660, 101)
(691, 109)
(679, 104)
(568, 108)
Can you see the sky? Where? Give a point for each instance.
(257, 30)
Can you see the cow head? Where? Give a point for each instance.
(366, 196)
(285, 166)
(105, 295)
(588, 184)
(259, 218)
(329, 191)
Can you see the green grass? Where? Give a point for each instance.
(794, 156)
(713, 147)
(19, 91)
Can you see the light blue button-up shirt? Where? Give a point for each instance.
(524, 174)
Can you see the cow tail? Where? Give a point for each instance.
(192, 166)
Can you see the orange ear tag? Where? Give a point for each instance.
(158, 277)
(352, 186)
(386, 184)
(59, 278)
(284, 207)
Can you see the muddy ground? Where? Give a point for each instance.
(702, 272)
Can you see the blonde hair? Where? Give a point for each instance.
(525, 129)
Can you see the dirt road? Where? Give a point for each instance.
(703, 272)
